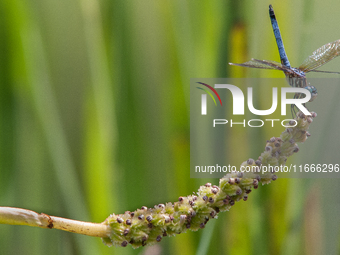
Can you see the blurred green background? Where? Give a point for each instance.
(94, 119)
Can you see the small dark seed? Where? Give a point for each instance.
(124, 243)
(144, 208)
(225, 201)
(202, 225)
(159, 238)
(302, 116)
(205, 198)
(245, 198)
(126, 231)
(239, 191)
(208, 184)
(165, 233)
(149, 218)
(180, 199)
(232, 202)
(141, 217)
(150, 225)
(211, 200)
(128, 222)
(119, 220)
(274, 177)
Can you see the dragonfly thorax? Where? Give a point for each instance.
(297, 73)
(296, 78)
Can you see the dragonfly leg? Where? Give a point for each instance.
(293, 107)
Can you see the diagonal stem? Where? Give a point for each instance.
(18, 216)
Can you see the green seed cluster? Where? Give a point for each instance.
(146, 226)
(278, 149)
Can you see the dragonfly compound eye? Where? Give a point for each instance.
(313, 91)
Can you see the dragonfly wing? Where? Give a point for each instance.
(273, 65)
(321, 56)
(319, 71)
(262, 64)
(253, 64)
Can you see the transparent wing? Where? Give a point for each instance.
(262, 64)
(319, 71)
(321, 56)
(274, 65)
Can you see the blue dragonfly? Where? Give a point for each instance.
(296, 76)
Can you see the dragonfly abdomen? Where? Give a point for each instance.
(277, 34)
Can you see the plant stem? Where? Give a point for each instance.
(146, 226)
(18, 216)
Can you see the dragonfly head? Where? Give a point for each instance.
(313, 92)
